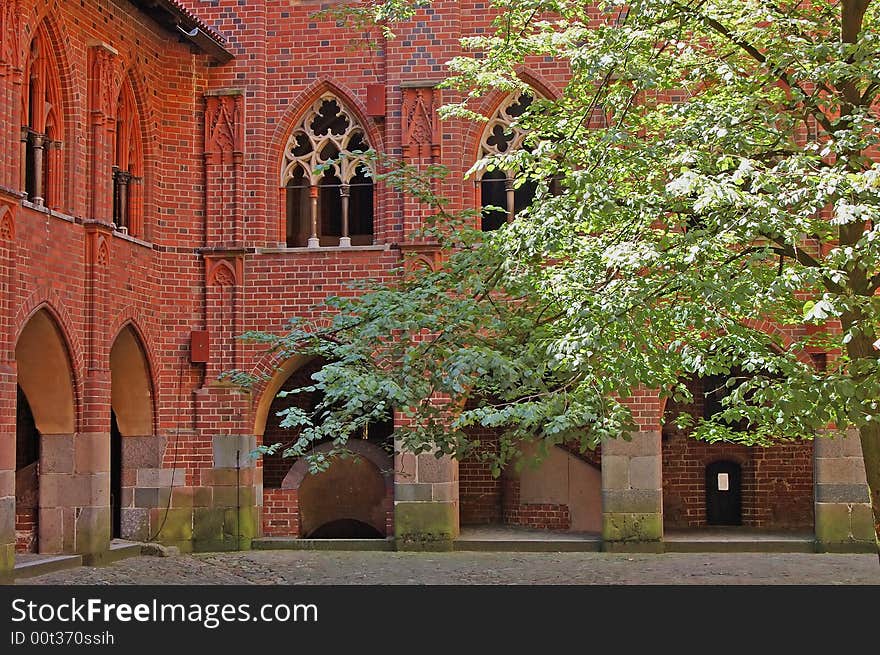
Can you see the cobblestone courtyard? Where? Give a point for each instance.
(311, 567)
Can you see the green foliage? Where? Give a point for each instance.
(714, 166)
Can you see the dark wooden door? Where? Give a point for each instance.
(724, 493)
(115, 478)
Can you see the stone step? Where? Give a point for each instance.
(42, 564)
(529, 545)
(292, 543)
(741, 546)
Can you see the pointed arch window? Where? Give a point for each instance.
(333, 206)
(128, 165)
(42, 132)
(499, 200)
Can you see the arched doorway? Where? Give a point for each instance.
(27, 481)
(45, 427)
(131, 429)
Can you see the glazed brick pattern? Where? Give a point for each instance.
(777, 482)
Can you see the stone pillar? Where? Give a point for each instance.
(233, 520)
(74, 493)
(632, 493)
(214, 505)
(8, 377)
(844, 521)
(145, 485)
(7, 469)
(425, 501)
(83, 484)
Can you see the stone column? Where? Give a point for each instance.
(425, 501)
(7, 469)
(83, 483)
(75, 493)
(843, 512)
(233, 520)
(145, 485)
(632, 493)
(8, 377)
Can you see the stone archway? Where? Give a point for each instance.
(47, 487)
(135, 452)
(347, 499)
(339, 495)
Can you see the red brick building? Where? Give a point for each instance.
(158, 197)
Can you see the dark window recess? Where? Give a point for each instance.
(297, 210)
(330, 208)
(493, 192)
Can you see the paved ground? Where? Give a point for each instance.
(310, 567)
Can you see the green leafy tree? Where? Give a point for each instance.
(715, 169)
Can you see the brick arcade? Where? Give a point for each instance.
(158, 197)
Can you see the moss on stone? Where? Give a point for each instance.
(425, 526)
(631, 526)
(177, 527)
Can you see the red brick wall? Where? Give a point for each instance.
(480, 495)
(484, 499)
(25, 530)
(777, 482)
(280, 513)
(159, 283)
(543, 516)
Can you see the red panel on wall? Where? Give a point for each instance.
(200, 347)
(376, 100)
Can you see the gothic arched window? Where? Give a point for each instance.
(502, 136)
(42, 132)
(332, 206)
(128, 165)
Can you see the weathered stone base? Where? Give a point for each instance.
(844, 527)
(632, 527)
(203, 529)
(844, 522)
(427, 526)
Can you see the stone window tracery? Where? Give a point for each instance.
(502, 136)
(332, 206)
(42, 133)
(128, 165)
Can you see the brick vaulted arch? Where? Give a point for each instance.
(273, 374)
(132, 394)
(51, 311)
(46, 374)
